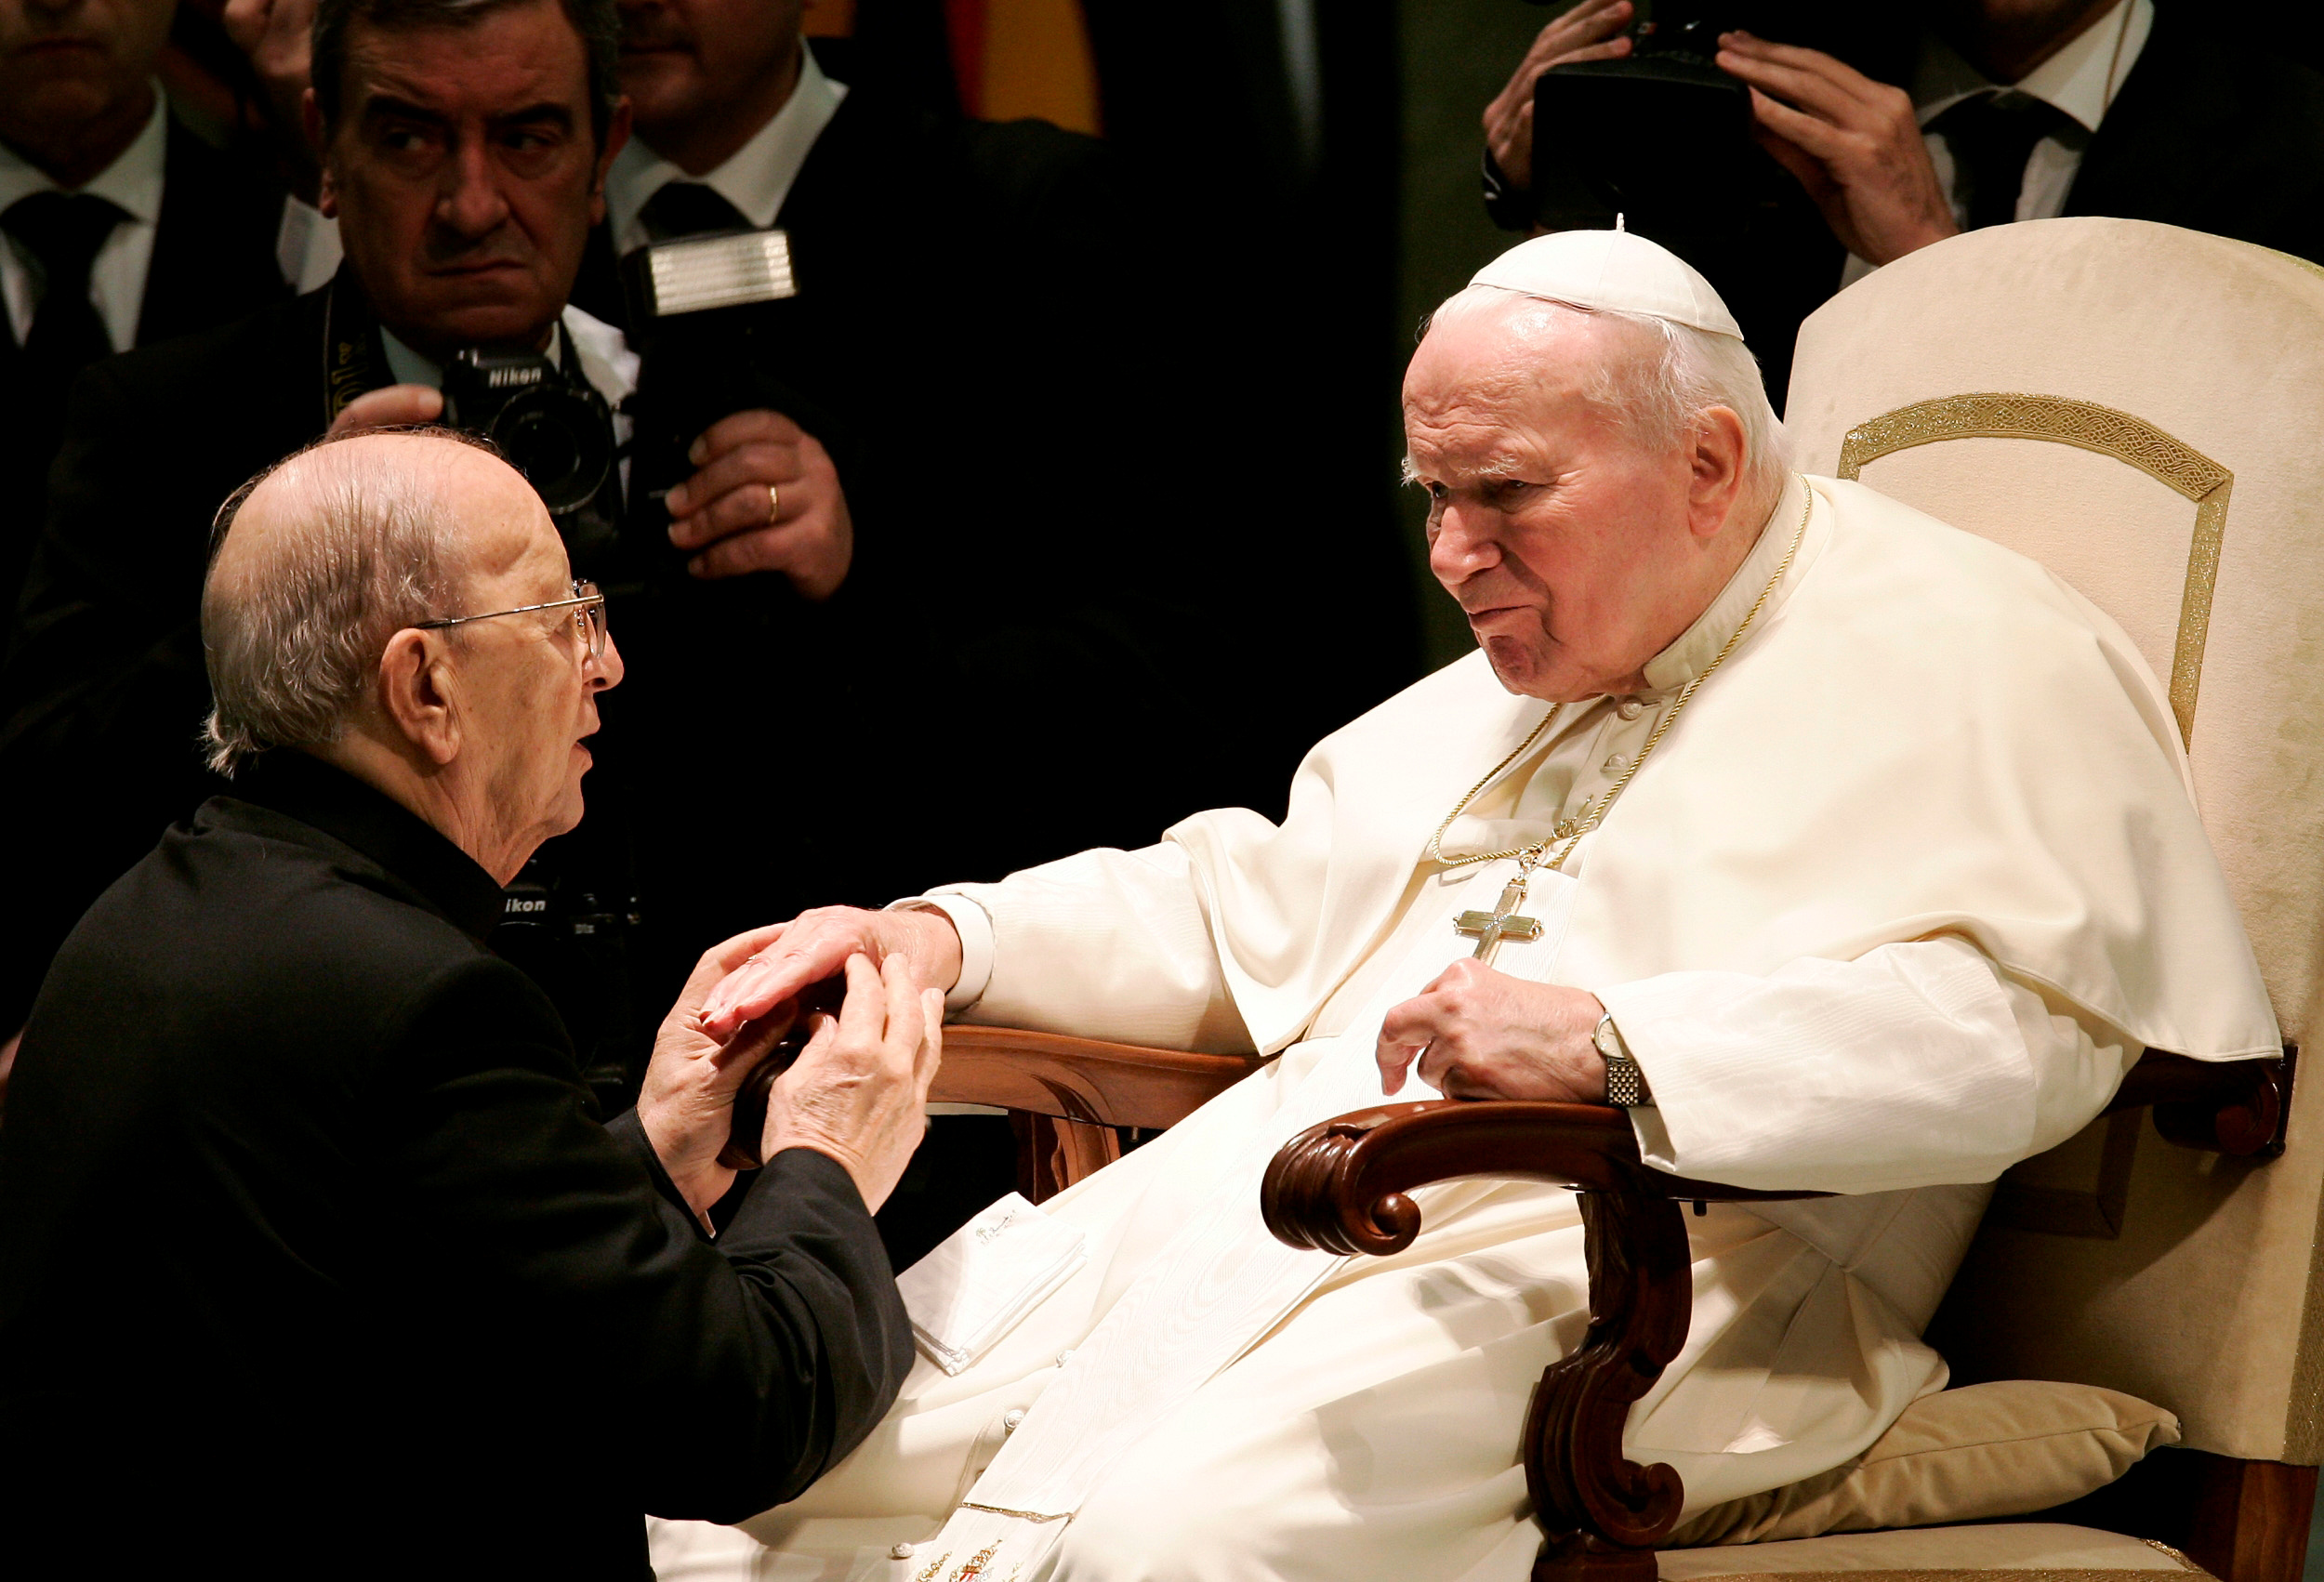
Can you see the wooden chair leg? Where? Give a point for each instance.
(1053, 1153)
(2251, 1519)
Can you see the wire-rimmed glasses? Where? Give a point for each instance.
(589, 617)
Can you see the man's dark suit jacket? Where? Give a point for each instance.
(314, 1260)
(214, 259)
(976, 360)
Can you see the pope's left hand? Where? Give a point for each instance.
(1483, 1034)
(767, 498)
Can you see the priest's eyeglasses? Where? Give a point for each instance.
(589, 617)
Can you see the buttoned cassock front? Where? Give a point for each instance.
(1893, 905)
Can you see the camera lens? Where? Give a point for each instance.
(558, 441)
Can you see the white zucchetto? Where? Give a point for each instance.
(1613, 270)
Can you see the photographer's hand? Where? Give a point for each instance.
(274, 34)
(1853, 142)
(767, 499)
(393, 406)
(1591, 31)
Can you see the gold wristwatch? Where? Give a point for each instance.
(1625, 1084)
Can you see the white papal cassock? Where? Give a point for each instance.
(1900, 895)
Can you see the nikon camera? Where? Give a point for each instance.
(556, 430)
(1663, 136)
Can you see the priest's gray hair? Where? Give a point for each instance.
(293, 631)
(1679, 371)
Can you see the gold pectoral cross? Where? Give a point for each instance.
(1502, 922)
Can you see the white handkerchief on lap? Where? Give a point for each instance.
(985, 1276)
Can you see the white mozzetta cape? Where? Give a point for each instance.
(1929, 733)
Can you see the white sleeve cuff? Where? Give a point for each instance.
(974, 925)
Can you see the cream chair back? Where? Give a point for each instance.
(2140, 408)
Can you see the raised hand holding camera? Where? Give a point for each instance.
(767, 497)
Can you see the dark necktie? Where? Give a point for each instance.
(1992, 137)
(63, 231)
(688, 208)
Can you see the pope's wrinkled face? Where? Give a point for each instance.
(1565, 542)
(465, 174)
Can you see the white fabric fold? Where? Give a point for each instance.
(977, 1283)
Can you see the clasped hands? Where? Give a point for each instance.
(1854, 143)
(858, 1091)
(765, 498)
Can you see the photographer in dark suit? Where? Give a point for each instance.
(2011, 110)
(466, 143)
(398, 1305)
(926, 483)
(971, 384)
(122, 228)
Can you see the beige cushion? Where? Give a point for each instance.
(1963, 1455)
(1943, 1554)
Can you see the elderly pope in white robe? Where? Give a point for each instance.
(1864, 846)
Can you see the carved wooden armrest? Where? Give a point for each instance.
(2237, 1108)
(1340, 1187)
(1066, 1097)
(1081, 1079)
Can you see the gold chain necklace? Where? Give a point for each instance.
(1570, 831)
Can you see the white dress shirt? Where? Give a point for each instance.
(2080, 80)
(755, 178)
(306, 249)
(116, 277)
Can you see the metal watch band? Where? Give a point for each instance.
(1625, 1082)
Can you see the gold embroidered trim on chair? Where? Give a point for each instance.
(1993, 416)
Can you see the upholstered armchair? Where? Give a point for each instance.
(2096, 394)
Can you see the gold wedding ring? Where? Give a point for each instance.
(774, 504)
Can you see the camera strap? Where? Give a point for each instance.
(354, 359)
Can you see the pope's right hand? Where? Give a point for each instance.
(815, 946)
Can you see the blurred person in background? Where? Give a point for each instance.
(2000, 111)
(119, 227)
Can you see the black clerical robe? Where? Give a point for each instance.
(314, 1260)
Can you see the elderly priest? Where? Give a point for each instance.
(314, 1260)
(1850, 852)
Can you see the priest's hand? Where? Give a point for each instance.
(1853, 142)
(859, 1091)
(688, 1096)
(1479, 1034)
(814, 947)
(767, 499)
(1591, 31)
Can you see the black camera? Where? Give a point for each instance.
(1663, 136)
(556, 432)
(569, 933)
(718, 322)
